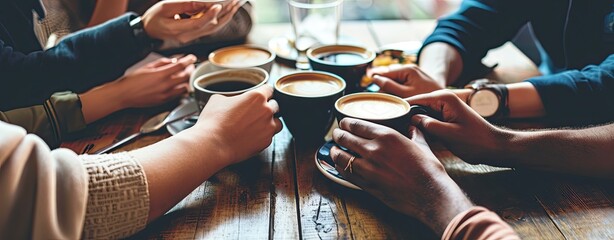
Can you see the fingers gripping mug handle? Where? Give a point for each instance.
(419, 109)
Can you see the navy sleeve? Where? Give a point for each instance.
(79, 62)
(579, 97)
(478, 26)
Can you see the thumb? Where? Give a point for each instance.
(388, 85)
(431, 125)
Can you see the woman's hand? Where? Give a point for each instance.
(223, 18)
(402, 173)
(240, 126)
(405, 81)
(156, 83)
(159, 21)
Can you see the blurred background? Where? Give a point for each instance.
(273, 11)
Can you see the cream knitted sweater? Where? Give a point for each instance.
(57, 194)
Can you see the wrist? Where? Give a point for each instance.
(139, 30)
(511, 147)
(203, 141)
(463, 94)
(443, 207)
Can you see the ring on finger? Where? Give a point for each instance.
(350, 164)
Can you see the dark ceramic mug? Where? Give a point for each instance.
(254, 77)
(307, 106)
(347, 61)
(380, 108)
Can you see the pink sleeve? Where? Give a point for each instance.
(478, 223)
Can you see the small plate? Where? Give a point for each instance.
(327, 167)
(178, 126)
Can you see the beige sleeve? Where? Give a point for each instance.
(56, 194)
(478, 223)
(43, 194)
(118, 203)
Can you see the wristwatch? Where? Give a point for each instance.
(488, 99)
(136, 24)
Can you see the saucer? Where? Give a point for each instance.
(327, 167)
(178, 126)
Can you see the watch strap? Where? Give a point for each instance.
(136, 24)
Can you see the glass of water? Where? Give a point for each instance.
(314, 22)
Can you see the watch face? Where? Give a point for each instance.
(484, 102)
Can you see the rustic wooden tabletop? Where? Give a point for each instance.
(280, 194)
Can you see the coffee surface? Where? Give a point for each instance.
(310, 87)
(345, 58)
(372, 108)
(241, 57)
(228, 86)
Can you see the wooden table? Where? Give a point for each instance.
(279, 194)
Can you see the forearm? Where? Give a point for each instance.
(100, 102)
(523, 100)
(584, 152)
(442, 62)
(106, 10)
(173, 170)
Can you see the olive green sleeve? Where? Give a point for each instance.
(59, 116)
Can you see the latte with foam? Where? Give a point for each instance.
(237, 57)
(310, 87)
(372, 106)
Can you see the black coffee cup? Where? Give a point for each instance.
(306, 101)
(229, 82)
(347, 61)
(380, 108)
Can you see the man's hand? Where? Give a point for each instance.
(405, 81)
(462, 130)
(402, 173)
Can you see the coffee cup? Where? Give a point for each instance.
(380, 108)
(229, 82)
(306, 101)
(242, 56)
(347, 61)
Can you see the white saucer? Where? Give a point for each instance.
(329, 171)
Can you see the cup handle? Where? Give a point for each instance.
(419, 109)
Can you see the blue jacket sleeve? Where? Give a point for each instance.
(579, 97)
(478, 26)
(79, 62)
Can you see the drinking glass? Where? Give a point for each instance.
(314, 22)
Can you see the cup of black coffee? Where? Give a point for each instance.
(306, 101)
(380, 108)
(347, 61)
(228, 83)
